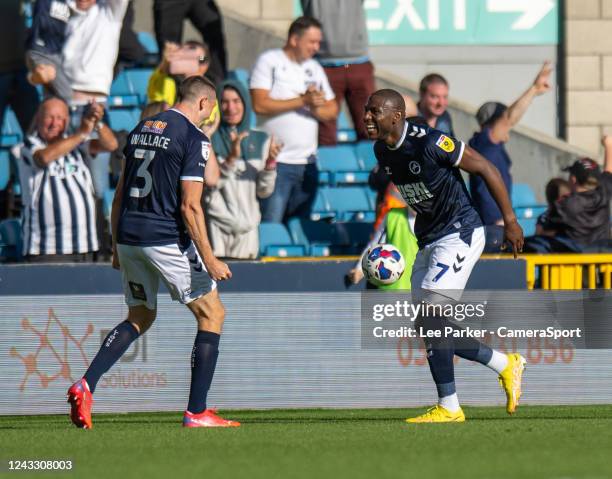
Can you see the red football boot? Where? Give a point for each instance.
(208, 418)
(81, 400)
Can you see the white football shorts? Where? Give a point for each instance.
(182, 271)
(445, 265)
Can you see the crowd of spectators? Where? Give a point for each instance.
(73, 50)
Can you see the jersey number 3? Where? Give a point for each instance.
(143, 172)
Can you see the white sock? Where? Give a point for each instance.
(498, 362)
(450, 403)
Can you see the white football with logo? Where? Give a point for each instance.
(383, 264)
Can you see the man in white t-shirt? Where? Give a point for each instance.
(291, 90)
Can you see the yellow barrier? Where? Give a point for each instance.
(566, 271)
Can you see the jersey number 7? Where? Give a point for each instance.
(143, 172)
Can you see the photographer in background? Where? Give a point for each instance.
(178, 62)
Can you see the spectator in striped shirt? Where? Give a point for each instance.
(59, 214)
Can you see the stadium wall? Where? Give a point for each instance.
(294, 343)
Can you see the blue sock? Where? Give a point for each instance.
(440, 352)
(115, 344)
(203, 362)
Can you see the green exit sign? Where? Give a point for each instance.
(461, 22)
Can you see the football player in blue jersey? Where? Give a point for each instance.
(424, 165)
(159, 233)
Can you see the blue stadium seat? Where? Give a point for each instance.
(123, 119)
(5, 169)
(10, 240)
(523, 195)
(529, 211)
(239, 74)
(371, 194)
(139, 79)
(528, 225)
(320, 207)
(274, 240)
(342, 163)
(107, 202)
(364, 151)
(11, 131)
(130, 87)
(345, 131)
(350, 203)
(122, 92)
(148, 42)
(358, 234)
(320, 238)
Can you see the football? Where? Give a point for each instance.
(383, 264)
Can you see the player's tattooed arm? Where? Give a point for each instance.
(193, 216)
(476, 164)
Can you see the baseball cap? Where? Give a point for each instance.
(489, 112)
(583, 169)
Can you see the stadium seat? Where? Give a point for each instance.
(320, 238)
(122, 92)
(148, 42)
(364, 152)
(5, 169)
(107, 202)
(523, 195)
(239, 74)
(130, 87)
(11, 131)
(139, 79)
(342, 163)
(123, 119)
(350, 203)
(274, 240)
(529, 211)
(10, 240)
(321, 208)
(345, 131)
(528, 225)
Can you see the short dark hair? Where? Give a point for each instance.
(193, 87)
(553, 187)
(301, 24)
(431, 79)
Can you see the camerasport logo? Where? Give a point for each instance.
(57, 342)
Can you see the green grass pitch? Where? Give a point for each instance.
(539, 442)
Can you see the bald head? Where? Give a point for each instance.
(385, 115)
(52, 119)
(390, 99)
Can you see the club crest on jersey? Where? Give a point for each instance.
(414, 167)
(205, 150)
(445, 143)
(154, 126)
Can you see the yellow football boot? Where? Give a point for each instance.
(510, 380)
(438, 414)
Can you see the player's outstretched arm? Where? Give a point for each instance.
(193, 216)
(475, 164)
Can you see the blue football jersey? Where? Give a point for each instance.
(160, 152)
(423, 166)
